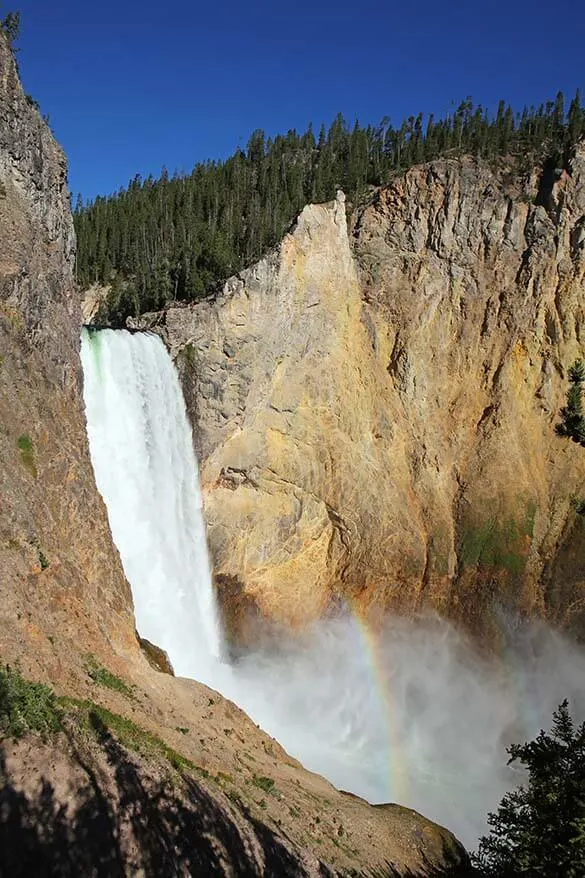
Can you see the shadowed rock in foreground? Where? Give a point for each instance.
(86, 806)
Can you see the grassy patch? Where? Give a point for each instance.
(489, 546)
(264, 783)
(25, 706)
(103, 677)
(43, 560)
(27, 453)
(33, 707)
(498, 543)
(222, 777)
(189, 354)
(95, 719)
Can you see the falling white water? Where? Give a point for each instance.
(146, 471)
(412, 715)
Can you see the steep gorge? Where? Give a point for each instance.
(148, 774)
(374, 409)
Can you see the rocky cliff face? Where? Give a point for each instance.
(148, 774)
(60, 574)
(473, 281)
(375, 411)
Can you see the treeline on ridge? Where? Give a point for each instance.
(176, 237)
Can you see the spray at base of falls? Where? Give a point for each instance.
(411, 715)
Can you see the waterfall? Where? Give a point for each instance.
(146, 471)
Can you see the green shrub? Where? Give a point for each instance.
(25, 706)
(43, 560)
(189, 354)
(572, 425)
(10, 27)
(103, 677)
(32, 102)
(25, 445)
(264, 783)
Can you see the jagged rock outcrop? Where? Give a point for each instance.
(375, 412)
(149, 774)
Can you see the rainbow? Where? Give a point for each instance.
(381, 677)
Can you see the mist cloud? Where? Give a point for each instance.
(414, 715)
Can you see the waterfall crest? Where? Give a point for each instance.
(146, 470)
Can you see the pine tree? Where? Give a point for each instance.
(572, 424)
(539, 829)
(576, 119)
(10, 27)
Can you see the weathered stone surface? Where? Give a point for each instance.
(287, 416)
(60, 575)
(91, 301)
(472, 280)
(156, 657)
(376, 421)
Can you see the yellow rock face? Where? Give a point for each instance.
(376, 419)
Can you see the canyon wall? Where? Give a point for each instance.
(140, 773)
(60, 575)
(375, 409)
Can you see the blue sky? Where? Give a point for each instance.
(131, 86)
